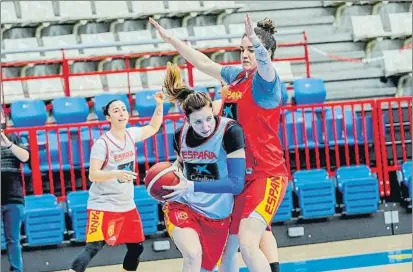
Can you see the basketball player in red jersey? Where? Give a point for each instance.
(254, 99)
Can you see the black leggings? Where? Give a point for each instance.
(130, 262)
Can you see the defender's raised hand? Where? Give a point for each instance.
(249, 30)
(162, 32)
(159, 97)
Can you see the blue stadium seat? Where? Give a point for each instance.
(148, 210)
(217, 94)
(77, 209)
(140, 148)
(406, 170)
(140, 151)
(309, 91)
(28, 113)
(170, 132)
(67, 110)
(360, 189)
(88, 136)
(145, 104)
(294, 122)
(347, 127)
(316, 193)
(303, 124)
(407, 176)
(44, 220)
(3, 237)
(334, 124)
(101, 100)
(49, 143)
(284, 212)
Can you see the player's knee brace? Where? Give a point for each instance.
(131, 260)
(87, 254)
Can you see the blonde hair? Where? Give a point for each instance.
(176, 91)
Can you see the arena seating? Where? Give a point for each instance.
(396, 62)
(145, 104)
(367, 27)
(3, 237)
(77, 210)
(359, 188)
(68, 110)
(407, 176)
(102, 99)
(316, 193)
(148, 210)
(44, 220)
(27, 113)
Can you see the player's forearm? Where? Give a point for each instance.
(233, 184)
(195, 57)
(157, 117)
(102, 176)
(264, 65)
(20, 153)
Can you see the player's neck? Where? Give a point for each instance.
(119, 134)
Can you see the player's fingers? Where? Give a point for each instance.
(127, 178)
(152, 21)
(130, 173)
(174, 187)
(171, 195)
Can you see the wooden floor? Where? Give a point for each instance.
(308, 252)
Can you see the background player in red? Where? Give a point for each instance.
(253, 98)
(211, 154)
(112, 215)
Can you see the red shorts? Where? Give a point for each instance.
(212, 233)
(114, 227)
(263, 196)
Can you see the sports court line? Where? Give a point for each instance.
(347, 262)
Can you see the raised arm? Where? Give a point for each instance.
(195, 57)
(157, 117)
(264, 65)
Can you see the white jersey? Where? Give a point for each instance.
(114, 195)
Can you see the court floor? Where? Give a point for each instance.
(384, 254)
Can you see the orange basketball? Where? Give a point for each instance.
(160, 175)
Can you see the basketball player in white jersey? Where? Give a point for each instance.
(112, 215)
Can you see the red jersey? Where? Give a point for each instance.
(264, 153)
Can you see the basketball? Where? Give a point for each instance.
(157, 176)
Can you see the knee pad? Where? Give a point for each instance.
(131, 260)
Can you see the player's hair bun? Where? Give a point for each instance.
(267, 25)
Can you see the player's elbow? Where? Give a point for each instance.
(237, 190)
(238, 186)
(92, 176)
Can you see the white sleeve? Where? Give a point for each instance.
(98, 150)
(136, 133)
